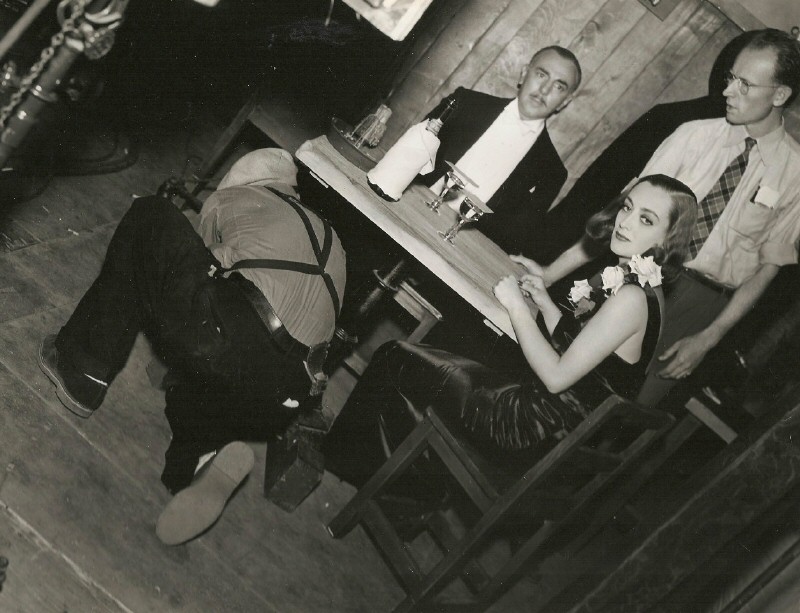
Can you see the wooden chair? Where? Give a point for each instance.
(554, 494)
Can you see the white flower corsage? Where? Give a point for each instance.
(646, 270)
(581, 289)
(584, 297)
(613, 278)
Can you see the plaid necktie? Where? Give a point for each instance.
(714, 203)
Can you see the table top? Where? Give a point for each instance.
(471, 266)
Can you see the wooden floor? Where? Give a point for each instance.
(79, 498)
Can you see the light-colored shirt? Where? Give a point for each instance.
(249, 222)
(761, 222)
(498, 151)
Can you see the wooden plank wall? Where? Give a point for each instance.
(631, 60)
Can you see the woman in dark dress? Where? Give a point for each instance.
(578, 355)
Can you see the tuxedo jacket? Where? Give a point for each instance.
(517, 224)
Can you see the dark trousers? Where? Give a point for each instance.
(690, 307)
(230, 377)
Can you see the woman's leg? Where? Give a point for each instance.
(390, 399)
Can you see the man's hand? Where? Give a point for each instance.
(533, 268)
(685, 356)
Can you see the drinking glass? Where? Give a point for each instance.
(468, 212)
(452, 183)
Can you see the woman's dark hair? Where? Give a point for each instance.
(682, 218)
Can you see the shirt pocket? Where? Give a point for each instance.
(753, 222)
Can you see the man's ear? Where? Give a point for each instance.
(781, 95)
(564, 104)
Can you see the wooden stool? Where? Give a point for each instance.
(415, 305)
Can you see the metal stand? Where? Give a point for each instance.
(86, 28)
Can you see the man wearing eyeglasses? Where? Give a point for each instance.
(745, 172)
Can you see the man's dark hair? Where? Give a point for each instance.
(567, 55)
(787, 50)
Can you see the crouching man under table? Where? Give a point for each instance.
(241, 311)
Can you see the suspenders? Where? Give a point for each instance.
(321, 253)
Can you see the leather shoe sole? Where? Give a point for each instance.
(196, 508)
(46, 350)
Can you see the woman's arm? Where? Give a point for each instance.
(619, 318)
(536, 289)
(571, 259)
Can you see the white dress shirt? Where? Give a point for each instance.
(761, 222)
(494, 156)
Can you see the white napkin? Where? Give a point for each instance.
(414, 153)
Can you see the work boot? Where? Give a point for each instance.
(196, 508)
(77, 391)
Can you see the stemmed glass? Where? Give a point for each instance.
(470, 210)
(454, 181)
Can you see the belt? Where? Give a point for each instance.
(708, 282)
(277, 331)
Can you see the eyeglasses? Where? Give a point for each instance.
(744, 85)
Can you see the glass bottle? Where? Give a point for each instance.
(414, 153)
(370, 130)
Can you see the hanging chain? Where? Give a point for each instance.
(68, 26)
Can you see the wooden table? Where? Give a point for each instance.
(471, 266)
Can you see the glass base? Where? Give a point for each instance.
(434, 205)
(448, 236)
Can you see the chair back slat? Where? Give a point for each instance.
(381, 529)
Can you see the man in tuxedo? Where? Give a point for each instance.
(502, 144)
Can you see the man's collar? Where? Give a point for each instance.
(767, 144)
(281, 187)
(511, 113)
(736, 135)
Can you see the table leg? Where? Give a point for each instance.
(223, 143)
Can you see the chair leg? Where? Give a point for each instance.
(404, 565)
(473, 576)
(408, 451)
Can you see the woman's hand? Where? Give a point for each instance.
(508, 292)
(533, 268)
(535, 287)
